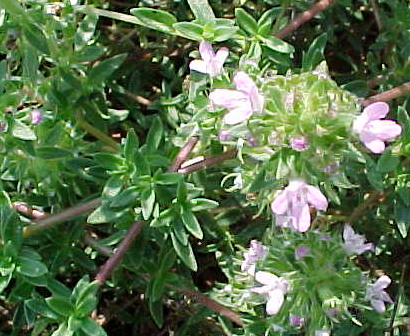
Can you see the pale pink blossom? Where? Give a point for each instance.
(377, 296)
(291, 205)
(301, 251)
(274, 288)
(36, 117)
(372, 130)
(299, 143)
(322, 333)
(240, 103)
(211, 63)
(296, 320)
(355, 243)
(256, 252)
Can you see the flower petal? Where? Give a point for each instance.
(348, 232)
(238, 115)
(382, 282)
(221, 56)
(244, 83)
(360, 123)
(266, 278)
(372, 143)
(275, 301)
(279, 205)
(198, 65)
(229, 99)
(376, 110)
(316, 198)
(206, 51)
(302, 215)
(378, 305)
(384, 129)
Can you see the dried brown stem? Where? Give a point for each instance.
(369, 201)
(303, 17)
(183, 154)
(230, 154)
(388, 95)
(62, 216)
(28, 210)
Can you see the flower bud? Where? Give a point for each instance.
(299, 143)
(36, 117)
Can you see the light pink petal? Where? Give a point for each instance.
(221, 56)
(228, 98)
(316, 198)
(302, 216)
(384, 129)
(238, 115)
(359, 123)
(372, 143)
(206, 51)
(244, 83)
(376, 110)
(295, 185)
(266, 278)
(348, 232)
(280, 203)
(275, 301)
(282, 221)
(261, 290)
(378, 305)
(198, 65)
(383, 282)
(257, 101)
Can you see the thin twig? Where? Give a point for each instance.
(106, 269)
(303, 17)
(369, 201)
(104, 250)
(230, 154)
(183, 154)
(139, 99)
(385, 96)
(28, 210)
(62, 216)
(376, 14)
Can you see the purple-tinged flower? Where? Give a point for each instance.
(256, 252)
(36, 117)
(301, 251)
(210, 63)
(299, 143)
(224, 135)
(373, 131)
(274, 288)
(377, 296)
(291, 205)
(296, 321)
(354, 243)
(242, 102)
(322, 333)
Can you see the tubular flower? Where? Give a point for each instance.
(210, 63)
(256, 252)
(299, 143)
(354, 243)
(377, 296)
(373, 131)
(242, 102)
(291, 205)
(274, 288)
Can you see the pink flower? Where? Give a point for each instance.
(36, 117)
(210, 63)
(301, 251)
(373, 131)
(299, 143)
(354, 243)
(291, 205)
(274, 288)
(296, 320)
(377, 295)
(240, 103)
(256, 252)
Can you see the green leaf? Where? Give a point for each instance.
(246, 21)
(131, 146)
(404, 120)
(12, 6)
(63, 331)
(155, 135)
(189, 30)
(147, 202)
(60, 306)
(141, 165)
(180, 232)
(86, 29)
(36, 37)
(124, 198)
(109, 161)
(168, 178)
(30, 267)
(199, 204)
(105, 69)
(185, 253)
(112, 187)
(182, 192)
(87, 305)
(22, 131)
(10, 231)
(223, 33)
(157, 288)
(374, 176)
(402, 216)
(155, 19)
(156, 310)
(49, 153)
(40, 307)
(278, 45)
(202, 10)
(315, 53)
(104, 214)
(89, 327)
(387, 162)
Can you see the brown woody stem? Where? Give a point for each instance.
(385, 96)
(183, 154)
(303, 17)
